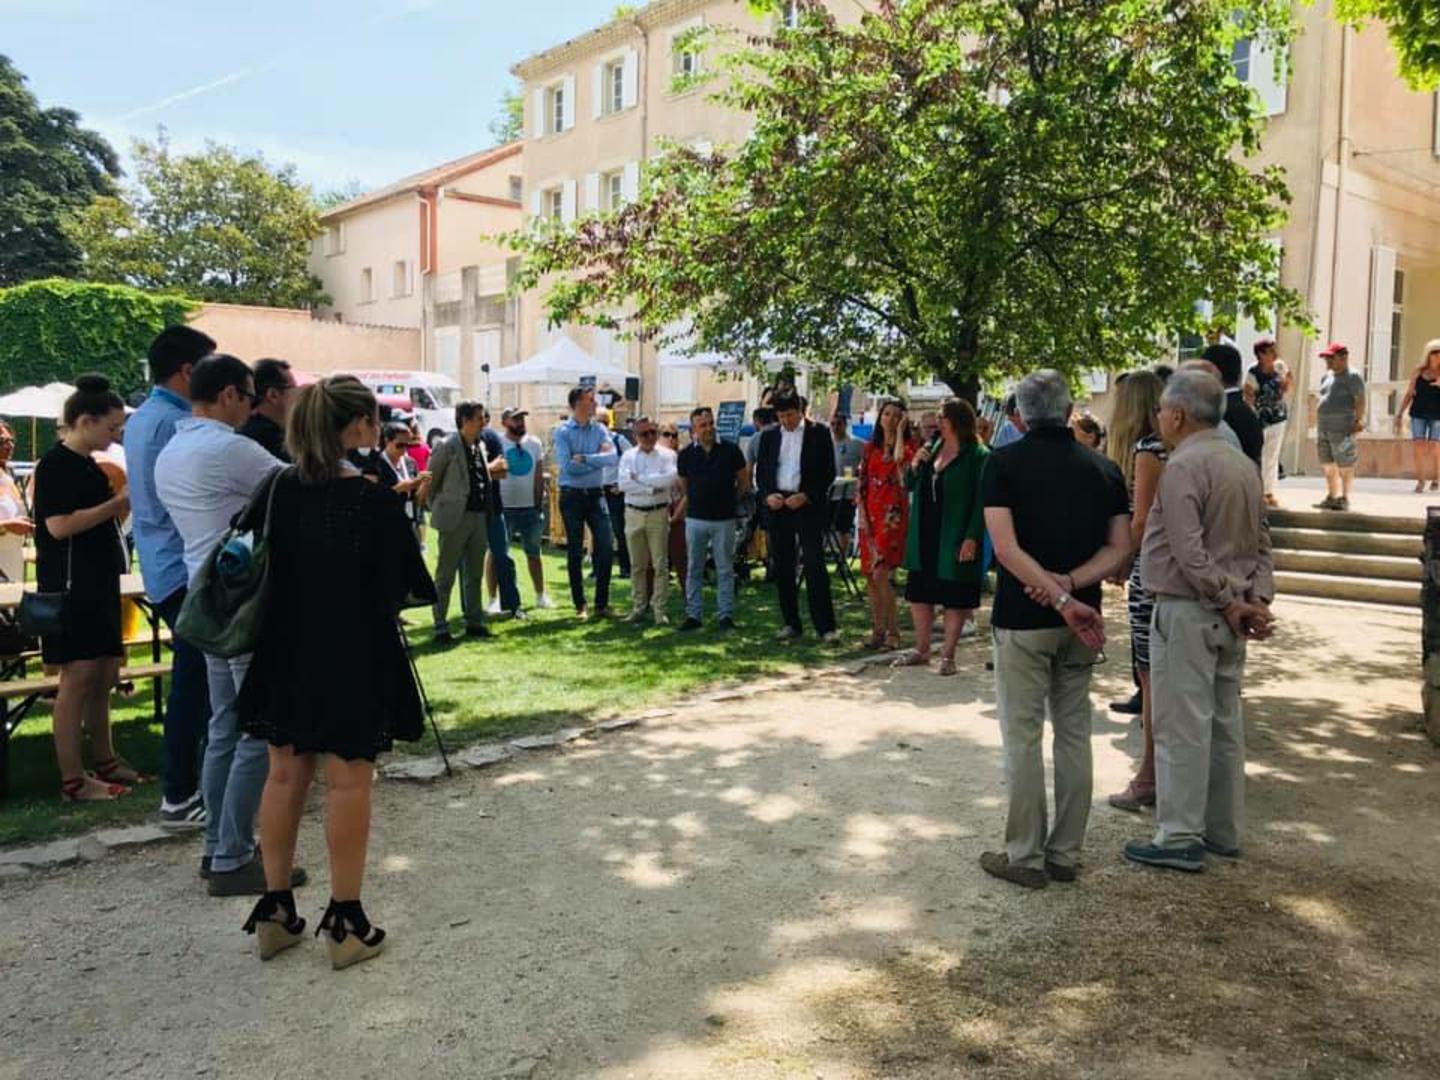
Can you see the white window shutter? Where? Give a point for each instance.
(569, 102)
(567, 202)
(597, 91)
(592, 191)
(630, 181)
(537, 114)
(535, 204)
(631, 79)
(1270, 81)
(1382, 308)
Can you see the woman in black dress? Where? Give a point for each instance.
(330, 675)
(79, 552)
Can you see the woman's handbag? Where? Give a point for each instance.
(224, 610)
(46, 614)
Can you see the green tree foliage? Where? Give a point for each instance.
(218, 225)
(961, 189)
(1414, 31)
(53, 330)
(49, 166)
(333, 197)
(509, 122)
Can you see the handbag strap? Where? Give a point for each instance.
(270, 500)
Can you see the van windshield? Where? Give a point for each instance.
(445, 397)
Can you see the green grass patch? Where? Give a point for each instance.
(534, 675)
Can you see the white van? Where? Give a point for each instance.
(432, 397)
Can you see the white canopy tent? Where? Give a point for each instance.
(561, 362)
(37, 402)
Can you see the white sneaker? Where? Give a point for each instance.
(969, 629)
(544, 602)
(494, 607)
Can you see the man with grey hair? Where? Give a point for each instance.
(1206, 559)
(1059, 516)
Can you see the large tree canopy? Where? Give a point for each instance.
(962, 189)
(218, 225)
(49, 166)
(1414, 31)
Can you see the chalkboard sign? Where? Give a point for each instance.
(729, 419)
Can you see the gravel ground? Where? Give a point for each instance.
(787, 887)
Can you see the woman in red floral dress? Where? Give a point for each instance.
(883, 512)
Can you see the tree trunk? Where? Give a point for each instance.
(963, 385)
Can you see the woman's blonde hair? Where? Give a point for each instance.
(321, 412)
(1431, 348)
(1137, 397)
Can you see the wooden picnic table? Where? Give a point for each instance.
(19, 692)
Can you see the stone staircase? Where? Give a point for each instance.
(1363, 558)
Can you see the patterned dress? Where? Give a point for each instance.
(886, 505)
(1141, 603)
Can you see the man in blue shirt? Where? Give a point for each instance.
(173, 354)
(583, 451)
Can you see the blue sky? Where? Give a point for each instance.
(345, 89)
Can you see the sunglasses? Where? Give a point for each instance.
(646, 434)
(670, 434)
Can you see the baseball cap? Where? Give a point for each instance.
(514, 414)
(1333, 348)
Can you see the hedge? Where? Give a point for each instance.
(52, 330)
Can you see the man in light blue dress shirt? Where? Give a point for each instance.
(173, 354)
(583, 451)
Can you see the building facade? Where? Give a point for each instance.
(423, 254)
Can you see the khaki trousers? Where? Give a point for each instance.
(1040, 672)
(647, 536)
(462, 549)
(1196, 664)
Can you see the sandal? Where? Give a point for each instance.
(86, 788)
(349, 935)
(274, 923)
(892, 641)
(911, 658)
(947, 666)
(874, 643)
(119, 771)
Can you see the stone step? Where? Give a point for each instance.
(1357, 590)
(1347, 521)
(1382, 567)
(1348, 543)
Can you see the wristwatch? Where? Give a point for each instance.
(1063, 601)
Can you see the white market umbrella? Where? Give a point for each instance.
(561, 362)
(38, 403)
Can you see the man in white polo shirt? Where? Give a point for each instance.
(206, 475)
(646, 478)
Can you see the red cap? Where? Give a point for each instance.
(1333, 348)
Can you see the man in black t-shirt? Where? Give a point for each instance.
(1058, 514)
(713, 475)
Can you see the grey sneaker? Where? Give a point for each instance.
(189, 814)
(1189, 859)
(788, 633)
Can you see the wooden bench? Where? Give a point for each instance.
(25, 692)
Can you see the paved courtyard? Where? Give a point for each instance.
(786, 886)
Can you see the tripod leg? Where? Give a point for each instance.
(424, 697)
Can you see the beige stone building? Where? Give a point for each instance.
(422, 254)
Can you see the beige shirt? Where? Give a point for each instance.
(1206, 537)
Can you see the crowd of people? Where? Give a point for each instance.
(1168, 501)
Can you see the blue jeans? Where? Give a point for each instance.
(187, 710)
(702, 539)
(581, 507)
(235, 769)
(499, 537)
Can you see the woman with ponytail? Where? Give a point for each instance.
(330, 679)
(79, 552)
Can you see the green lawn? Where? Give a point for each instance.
(534, 675)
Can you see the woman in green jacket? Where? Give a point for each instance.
(947, 523)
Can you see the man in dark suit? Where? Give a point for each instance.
(794, 470)
(1238, 414)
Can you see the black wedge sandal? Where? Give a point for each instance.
(351, 938)
(274, 923)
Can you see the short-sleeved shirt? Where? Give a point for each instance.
(710, 480)
(1339, 393)
(205, 477)
(64, 483)
(517, 489)
(1062, 496)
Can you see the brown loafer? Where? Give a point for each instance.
(1132, 801)
(1060, 872)
(997, 864)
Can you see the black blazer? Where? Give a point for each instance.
(817, 463)
(1246, 425)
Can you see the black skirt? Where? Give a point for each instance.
(923, 588)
